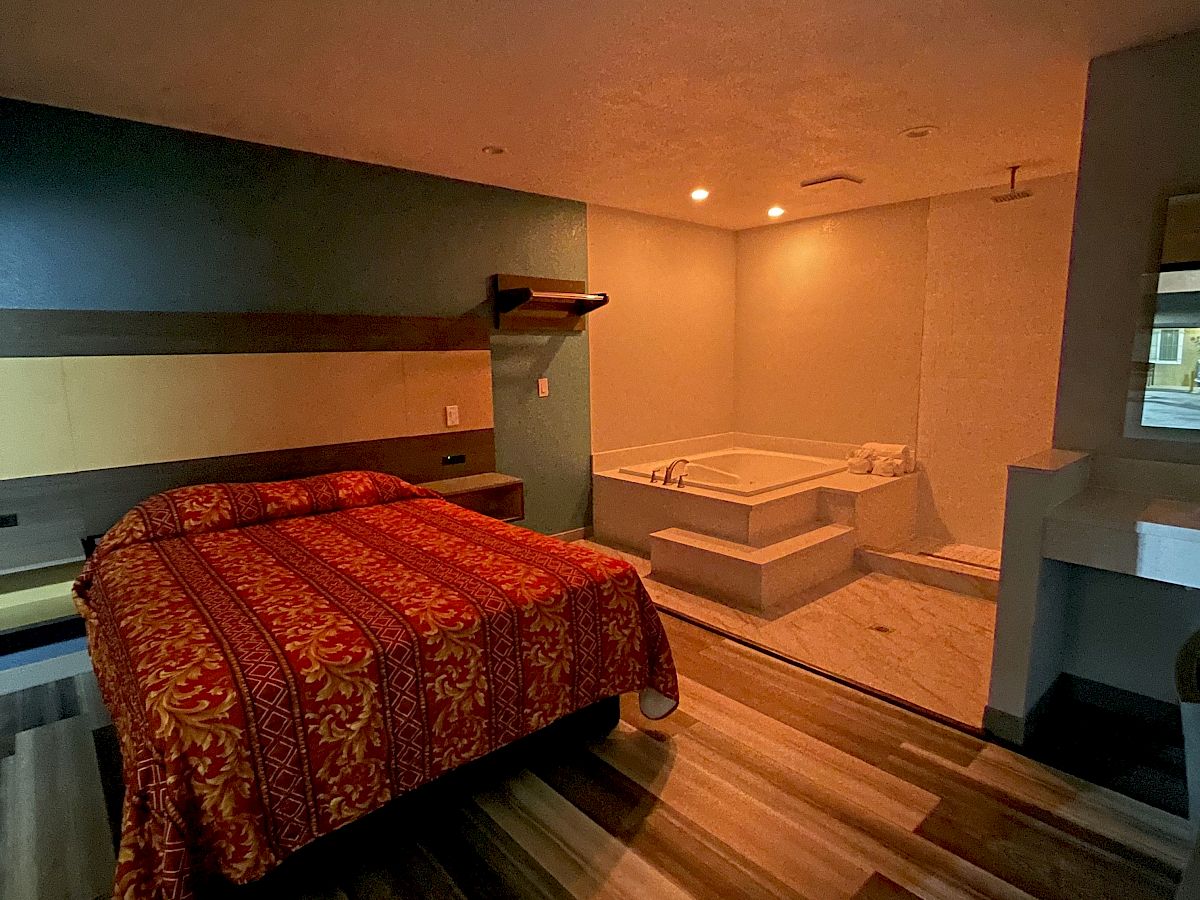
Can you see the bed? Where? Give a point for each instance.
(281, 658)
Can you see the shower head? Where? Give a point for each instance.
(1012, 193)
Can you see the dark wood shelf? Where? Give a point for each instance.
(523, 303)
(492, 493)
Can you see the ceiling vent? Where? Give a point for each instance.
(837, 178)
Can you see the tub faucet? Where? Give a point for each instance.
(671, 471)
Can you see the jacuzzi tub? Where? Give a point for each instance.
(740, 470)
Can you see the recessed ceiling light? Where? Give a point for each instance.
(920, 131)
(492, 150)
(775, 212)
(700, 194)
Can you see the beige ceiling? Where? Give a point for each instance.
(629, 104)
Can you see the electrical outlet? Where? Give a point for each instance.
(8, 520)
(543, 387)
(451, 416)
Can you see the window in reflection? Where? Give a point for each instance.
(1173, 365)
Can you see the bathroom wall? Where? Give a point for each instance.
(995, 287)
(662, 351)
(829, 320)
(1139, 148)
(103, 213)
(935, 323)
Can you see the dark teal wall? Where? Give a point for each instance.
(100, 213)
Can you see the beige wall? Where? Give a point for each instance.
(829, 326)
(1139, 148)
(662, 350)
(995, 288)
(935, 323)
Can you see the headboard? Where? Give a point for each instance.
(101, 409)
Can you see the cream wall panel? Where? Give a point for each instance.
(35, 429)
(79, 413)
(661, 354)
(433, 381)
(129, 410)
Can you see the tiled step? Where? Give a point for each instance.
(952, 575)
(760, 578)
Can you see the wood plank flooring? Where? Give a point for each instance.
(769, 781)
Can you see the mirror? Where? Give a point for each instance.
(1172, 398)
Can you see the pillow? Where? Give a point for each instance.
(218, 507)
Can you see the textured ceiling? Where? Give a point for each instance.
(629, 104)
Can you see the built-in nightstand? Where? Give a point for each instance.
(493, 494)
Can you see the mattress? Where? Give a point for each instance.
(282, 658)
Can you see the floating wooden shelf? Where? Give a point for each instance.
(522, 303)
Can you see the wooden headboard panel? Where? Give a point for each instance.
(108, 408)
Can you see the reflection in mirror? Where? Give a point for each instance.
(1173, 367)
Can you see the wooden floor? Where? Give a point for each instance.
(769, 781)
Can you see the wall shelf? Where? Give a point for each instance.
(523, 303)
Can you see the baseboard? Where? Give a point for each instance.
(575, 534)
(1003, 726)
(1016, 730)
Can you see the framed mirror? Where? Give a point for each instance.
(1172, 388)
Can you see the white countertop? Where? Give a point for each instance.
(1124, 532)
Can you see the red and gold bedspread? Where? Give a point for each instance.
(282, 658)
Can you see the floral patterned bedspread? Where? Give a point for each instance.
(282, 658)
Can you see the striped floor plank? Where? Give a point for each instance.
(768, 782)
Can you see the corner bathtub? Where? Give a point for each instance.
(740, 470)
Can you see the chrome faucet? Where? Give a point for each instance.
(671, 471)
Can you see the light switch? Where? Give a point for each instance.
(543, 387)
(451, 416)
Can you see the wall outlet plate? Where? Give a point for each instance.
(543, 387)
(451, 416)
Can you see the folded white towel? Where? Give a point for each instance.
(902, 452)
(858, 465)
(888, 465)
(886, 449)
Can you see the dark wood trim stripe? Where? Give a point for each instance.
(55, 512)
(65, 332)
